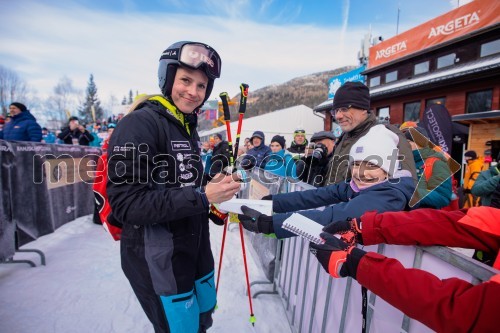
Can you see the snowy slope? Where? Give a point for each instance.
(82, 288)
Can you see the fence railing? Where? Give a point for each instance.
(315, 302)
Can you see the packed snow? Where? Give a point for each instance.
(82, 287)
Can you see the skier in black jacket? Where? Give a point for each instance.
(155, 189)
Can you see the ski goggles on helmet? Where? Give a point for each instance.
(196, 55)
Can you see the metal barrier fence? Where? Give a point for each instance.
(315, 302)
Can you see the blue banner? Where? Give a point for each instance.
(353, 76)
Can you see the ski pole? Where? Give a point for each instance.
(241, 111)
(227, 119)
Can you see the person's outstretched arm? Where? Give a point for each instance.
(476, 228)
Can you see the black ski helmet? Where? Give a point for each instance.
(191, 55)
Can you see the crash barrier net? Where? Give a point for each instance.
(315, 302)
(43, 187)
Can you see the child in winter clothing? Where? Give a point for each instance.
(280, 162)
(376, 184)
(256, 157)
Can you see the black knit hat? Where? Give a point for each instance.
(471, 154)
(218, 135)
(409, 135)
(279, 139)
(20, 106)
(352, 94)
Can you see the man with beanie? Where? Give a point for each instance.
(75, 133)
(299, 143)
(472, 170)
(23, 126)
(220, 155)
(255, 157)
(434, 187)
(313, 167)
(280, 162)
(351, 109)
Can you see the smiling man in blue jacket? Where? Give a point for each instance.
(23, 125)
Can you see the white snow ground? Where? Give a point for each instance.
(82, 288)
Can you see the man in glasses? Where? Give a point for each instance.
(351, 110)
(155, 190)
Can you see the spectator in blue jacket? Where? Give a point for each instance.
(280, 161)
(48, 136)
(377, 184)
(23, 125)
(255, 157)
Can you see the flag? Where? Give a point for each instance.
(437, 121)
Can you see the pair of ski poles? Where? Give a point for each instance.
(232, 160)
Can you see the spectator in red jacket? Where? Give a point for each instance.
(449, 305)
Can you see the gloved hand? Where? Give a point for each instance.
(217, 216)
(255, 221)
(267, 197)
(337, 258)
(349, 230)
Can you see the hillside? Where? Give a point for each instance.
(309, 90)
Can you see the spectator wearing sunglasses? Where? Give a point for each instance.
(299, 143)
(155, 190)
(351, 110)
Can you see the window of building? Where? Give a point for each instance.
(391, 76)
(438, 100)
(383, 115)
(447, 60)
(422, 67)
(375, 81)
(490, 48)
(411, 111)
(479, 101)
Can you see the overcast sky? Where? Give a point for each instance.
(260, 42)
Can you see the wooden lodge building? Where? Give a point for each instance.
(454, 60)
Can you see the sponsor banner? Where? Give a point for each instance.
(458, 22)
(43, 187)
(335, 82)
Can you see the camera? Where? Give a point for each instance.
(320, 151)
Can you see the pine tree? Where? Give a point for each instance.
(124, 100)
(130, 97)
(91, 100)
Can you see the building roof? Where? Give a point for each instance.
(325, 106)
(478, 117)
(483, 65)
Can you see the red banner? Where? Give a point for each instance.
(458, 22)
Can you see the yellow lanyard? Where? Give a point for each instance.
(173, 110)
